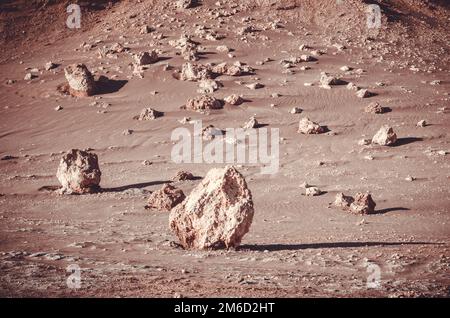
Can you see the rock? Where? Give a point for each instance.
(49, 66)
(296, 110)
(203, 102)
(210, 132)
(422, 123)
(345, 68)
(363, 204)
(145, 29)
(183, 176)
(374, 108)
(343, 201)
(223, 49)
(312, 191)
(186, 4)
(190, 54)
(306, 126)
(364, 142)
(78, 172)
(327, 80)
(217, 213)
(352, 86)
(165, 199)
(149, 114)
(127, 132)
(385, 136)
(29, 77)
(208, 86)
(234, 99)
(255, 86)
(185, 120)
(195, 72)
(145, 58)
(81, 82)
(363, 93)
(410, 178)
(58, 108)
(307, 58)
(251, 123)
(236, 69)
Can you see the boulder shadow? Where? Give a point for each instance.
(133, 186)
(387, 210)
(105, 85)
(296, 247)
(406, 140)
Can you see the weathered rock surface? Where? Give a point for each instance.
(165, 198)
(217, 213)
(79, 172)
(80, 80)
(385, 136)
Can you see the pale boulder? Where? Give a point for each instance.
(80, 80)
(79, 172)
(217, 213)
(385, 136)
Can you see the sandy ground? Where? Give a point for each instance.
(298, 246)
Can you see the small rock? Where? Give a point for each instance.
(149, 114)
(374, 108)
(254, 86)
(234, 99)
(422, 123)
(165, 199)
(385, 136)
(312, 191)
(306, 126)
(296, 110)
(203, 102)
(145, 58)
(183, 176)
(363, 93)
(251, 123)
